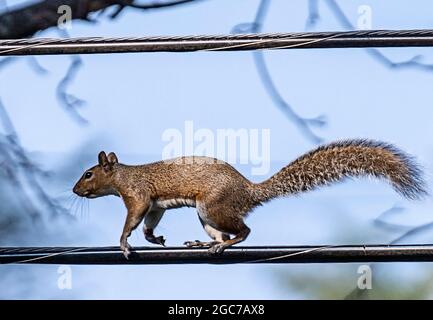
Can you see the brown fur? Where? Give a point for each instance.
(223, 197)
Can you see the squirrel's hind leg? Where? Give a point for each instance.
(224, 220)
(215, 234)
(239, 237)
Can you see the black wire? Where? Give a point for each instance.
(346, 39)
(182, 255)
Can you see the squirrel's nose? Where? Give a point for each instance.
(75, 190)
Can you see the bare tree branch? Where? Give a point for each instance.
(70, 102)
(22, 161)
(382, 223)
(156, 4)
(414, 62)
(28, 20)
(24, 22)
(414, 231)
(6, 61)
(409, 232)
(303, 124)
(313, 14)
(35, 65)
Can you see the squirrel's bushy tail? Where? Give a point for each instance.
(350, 158)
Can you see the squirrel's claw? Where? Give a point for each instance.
(126, 253)
(160, 240)
(217, 248)
(125, 247)
(156, 240)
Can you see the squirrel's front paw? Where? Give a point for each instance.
(125, 247)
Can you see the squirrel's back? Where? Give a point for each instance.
(190, 177)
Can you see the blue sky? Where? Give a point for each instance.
(132, 98)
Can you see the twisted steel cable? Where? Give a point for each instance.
(347, 39)
(182, 255)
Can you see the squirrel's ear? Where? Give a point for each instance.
(112, 158)
(102, 159)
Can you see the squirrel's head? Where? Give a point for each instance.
(98, 180)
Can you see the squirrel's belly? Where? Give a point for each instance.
(174, 203)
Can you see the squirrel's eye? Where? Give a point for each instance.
(88, 175)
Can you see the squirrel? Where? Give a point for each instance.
(223, 197)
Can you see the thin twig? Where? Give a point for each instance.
(6, 61)
(413, 231)
(36, 66)
(156, 4)
(30, 170)
(69, 101)
(303, 124)
(414, 62)
(313, 14)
